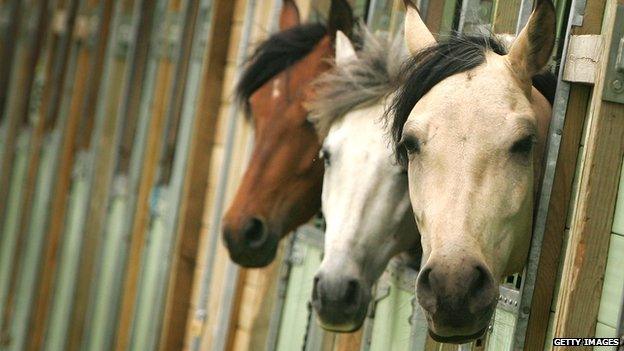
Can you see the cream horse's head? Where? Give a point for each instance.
(470, 127)
(365, 197)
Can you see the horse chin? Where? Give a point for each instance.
(343, 328)
(457, 339)
(258, 258)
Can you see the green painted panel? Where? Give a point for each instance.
(618, 221)
(391, 328)
(32, 251)
(69, 261)
(613, 286)
(503, 331)
(146, 316)
(306, 260)
(605, 331)
(102, 322)
(448, 17)
(8, 236)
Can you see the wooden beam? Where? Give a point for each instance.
(586, 255)
(506, 16)
(560, 199)
(185, 254)
(88, 254)
(158, 107)
(53, 59)
(583, 58)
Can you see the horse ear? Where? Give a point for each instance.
(340, 18)
(531, 51)
(290, 15)
(417, 35)
(345, 51)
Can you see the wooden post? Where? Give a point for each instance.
(10, 12)
(195, 187)
(53, 68)
(590, 231)
(156, 102)
(561, 193)
(506, 16)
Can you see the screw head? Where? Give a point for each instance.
(617, 85)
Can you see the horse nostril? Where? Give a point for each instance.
(351, 294)
(255, 233)
(482, 288)
(315, 296)
(425, 291)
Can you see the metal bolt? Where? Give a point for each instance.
(618, 86)
(526, 310)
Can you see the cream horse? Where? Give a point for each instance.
(470, 126)
(365, 197)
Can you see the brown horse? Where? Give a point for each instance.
(281, 188)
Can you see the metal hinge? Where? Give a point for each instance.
(614, 76)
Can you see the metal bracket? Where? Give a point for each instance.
(124, 35)
(614, 76)
(508, 299)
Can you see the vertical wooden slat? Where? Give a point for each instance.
(585, 257)
(71, 102)
(195, 187)
(153, 107)
(10, 12)
(31, 33)
(506, 16)
(52, 73)
(561, 194)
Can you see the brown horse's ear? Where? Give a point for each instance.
(531, 51)
(340, 18)
(290, 15)
(417, 35)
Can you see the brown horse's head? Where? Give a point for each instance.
(281, 187)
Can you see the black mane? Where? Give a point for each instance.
(432, 65)
(274, 55)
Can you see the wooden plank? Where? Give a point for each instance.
(70, 107)
(100, 11)
(584, 53)
(154, 106)
(591, 227)
(560, 201)
(15, 113)
(52, 73)
(506, 16)
(195, 187)
(10, 12)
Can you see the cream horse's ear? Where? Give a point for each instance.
(345, 51)
(531, 51)
(417, 35)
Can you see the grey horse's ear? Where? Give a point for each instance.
(531, 51)
(345, 51)
(417, 35)
(289, 17)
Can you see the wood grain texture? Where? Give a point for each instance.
(164, 77)
(506, 16)
(561, 199)
(185, 254)
(53, 60)
(585, 258)
(101, 183)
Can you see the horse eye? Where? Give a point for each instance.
(523, 146)
(324, 154)
(411, 144)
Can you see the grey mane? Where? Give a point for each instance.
(362, 82)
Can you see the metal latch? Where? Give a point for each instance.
(614, 76)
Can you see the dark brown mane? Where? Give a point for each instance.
(280, 51)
